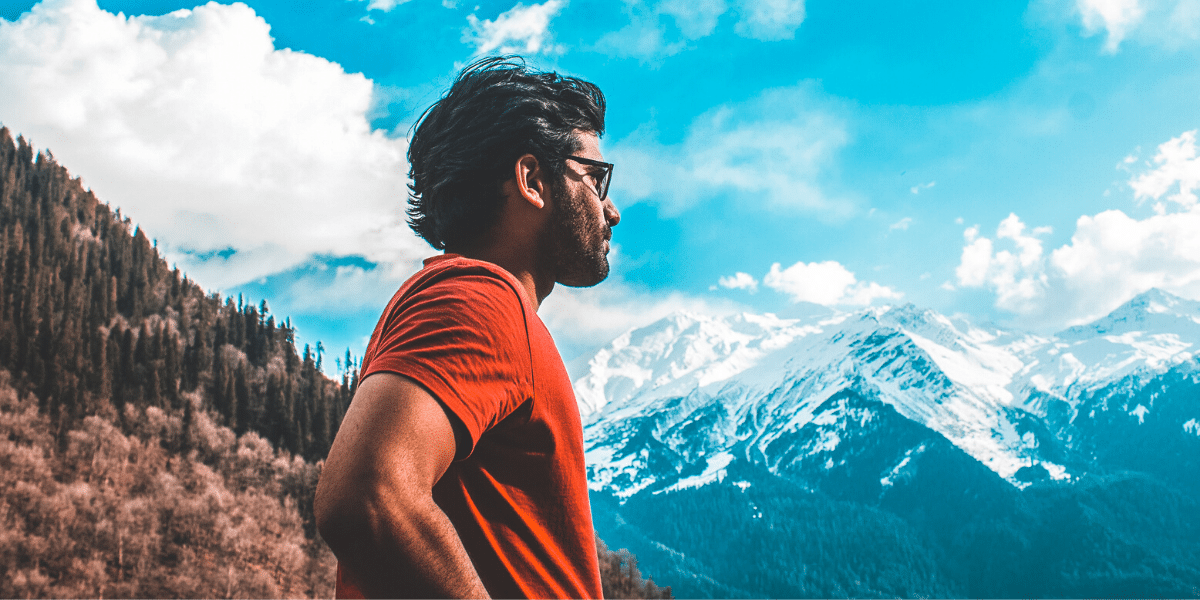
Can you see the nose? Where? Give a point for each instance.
(611, 214)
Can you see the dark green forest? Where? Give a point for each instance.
(1110, 534)
(156, 440)
(92, 319)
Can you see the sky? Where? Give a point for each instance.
(1029, 164)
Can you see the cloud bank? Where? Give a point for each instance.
(826, 283)
(244, 159)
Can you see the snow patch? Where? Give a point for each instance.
(1057, 472)
(713, 471)
(1192, 427)
(1140, 413)
(887, 481)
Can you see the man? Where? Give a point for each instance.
(458, 469)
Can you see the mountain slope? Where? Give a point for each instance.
(1000, 463)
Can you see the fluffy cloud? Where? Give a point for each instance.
(243, 159)
(1178, 168)
(739, 281)
(1017, 277)
(522, 29)
(1117, 17)
(775, 150)
(1172, 23)
(1111, 256)
(827, 283)
(649, 36)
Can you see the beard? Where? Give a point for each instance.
(577, 239)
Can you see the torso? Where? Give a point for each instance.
(519, 500)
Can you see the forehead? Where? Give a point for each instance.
(589, 144)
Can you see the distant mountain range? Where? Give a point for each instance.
(893, 409)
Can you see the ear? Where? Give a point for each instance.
(531, 181)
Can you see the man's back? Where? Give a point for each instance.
(517, 494)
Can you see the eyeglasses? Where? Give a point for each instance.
(603, 180)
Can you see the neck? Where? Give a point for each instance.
(536, 280)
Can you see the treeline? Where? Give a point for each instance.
(92, 319)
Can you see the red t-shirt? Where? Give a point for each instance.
(518, 495)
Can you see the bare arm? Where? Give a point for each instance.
(374, 503)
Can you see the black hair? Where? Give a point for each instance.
(463, 148)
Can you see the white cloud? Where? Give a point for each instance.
(902, 224)
(1117, 17)
(1178, 168)
(739, 281)
(649, 36)
(1170, 23)
(208, 136)
(1017, 277)
(776, 150)
(827, 283)
(1111, 256)
(522, 29)
(916, 189)
(695, 18)
(769, 20)
(384, 5)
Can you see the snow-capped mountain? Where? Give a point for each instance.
(671, 405)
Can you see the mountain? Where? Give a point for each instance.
(945, 424)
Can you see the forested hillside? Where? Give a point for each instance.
(92, 319)
(155, 440)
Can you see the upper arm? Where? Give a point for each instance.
(466, 341)
(395, 442)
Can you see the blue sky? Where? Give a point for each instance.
(1028, 163)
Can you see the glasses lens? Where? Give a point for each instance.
(604, 181)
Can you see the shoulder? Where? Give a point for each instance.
(463, 289)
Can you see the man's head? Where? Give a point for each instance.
(465, 146)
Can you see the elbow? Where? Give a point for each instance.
(327, 516)
(357, 520)
(342, 516)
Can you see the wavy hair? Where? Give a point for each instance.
(463, 148)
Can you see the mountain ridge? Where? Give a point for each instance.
(895, 451)
(972, 385)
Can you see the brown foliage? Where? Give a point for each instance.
(620, 577)
(115, 515)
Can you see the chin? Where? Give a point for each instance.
(581, 278)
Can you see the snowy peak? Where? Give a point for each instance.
(1153, 311)
(679, 353)
(664, 401)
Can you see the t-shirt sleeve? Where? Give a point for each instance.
(465, 340)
